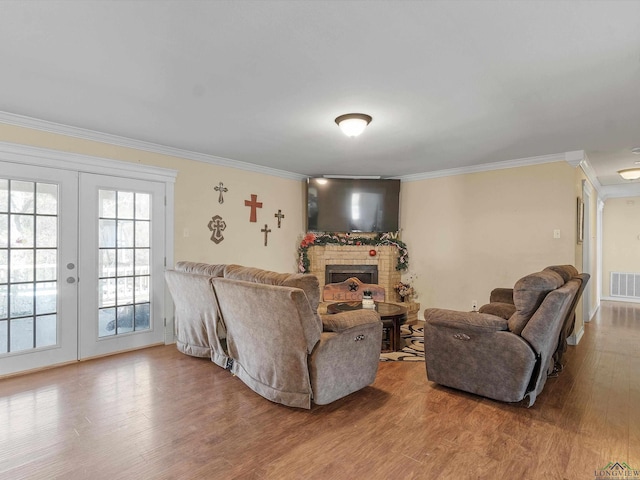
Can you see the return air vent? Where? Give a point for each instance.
(625, 285)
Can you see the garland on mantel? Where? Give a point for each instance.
(319, 239)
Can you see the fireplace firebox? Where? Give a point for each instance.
(340, 273)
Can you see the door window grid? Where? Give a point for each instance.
(123, 262)
(28, 265)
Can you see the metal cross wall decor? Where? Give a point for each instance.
(217, 225)
(266, 231)
(221, 188)
(279, 216)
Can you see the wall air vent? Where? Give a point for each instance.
(625, 285)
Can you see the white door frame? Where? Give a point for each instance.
(43, 157)
(587, 191)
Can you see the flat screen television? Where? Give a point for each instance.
(352, 205)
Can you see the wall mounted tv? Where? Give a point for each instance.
(352, 205)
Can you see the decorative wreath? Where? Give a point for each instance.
(382, 239)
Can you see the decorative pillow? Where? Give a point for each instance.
(528, 294)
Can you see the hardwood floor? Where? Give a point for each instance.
(158, 414)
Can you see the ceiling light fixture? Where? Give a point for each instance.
(353, 124)
(636, 150)
(630, 173)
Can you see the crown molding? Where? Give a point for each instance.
(589, 172)
(85, 134)
(45, 157)
(574, 158)
(620, 191)
(608, 191)
(485, 167)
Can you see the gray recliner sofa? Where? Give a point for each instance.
(505, 355)
(501, 303)
(264, 328)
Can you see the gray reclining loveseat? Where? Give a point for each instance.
(264, 327)
(505, 355)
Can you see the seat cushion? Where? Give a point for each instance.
(528, 294)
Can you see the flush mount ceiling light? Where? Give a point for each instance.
(636, 150)
(630, 173)
(353, 124)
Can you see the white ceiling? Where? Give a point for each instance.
(449, 84)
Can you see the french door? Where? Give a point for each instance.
(38, 267)
(122, 264)
(81, 265)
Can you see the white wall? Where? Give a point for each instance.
(468, 234)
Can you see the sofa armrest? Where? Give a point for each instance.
(453, 319)
(475, 352)
(344, 362)
(501, 295)
(339, 322)
(499, 309)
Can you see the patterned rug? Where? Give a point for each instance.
(413, 351)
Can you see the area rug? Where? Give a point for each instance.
(413, 351)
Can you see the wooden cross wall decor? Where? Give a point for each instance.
(279, 216)
(253, 203)
(221, 188)
(266, 231)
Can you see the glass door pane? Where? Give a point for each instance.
(34, 304)
(123, 262)
(28, 283)
(122, 248)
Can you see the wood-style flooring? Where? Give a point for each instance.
(159, 414)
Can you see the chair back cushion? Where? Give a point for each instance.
(528, 294)
(271, 331)
(197, 327)
(567, 272)
(200, 268)
(306, 282)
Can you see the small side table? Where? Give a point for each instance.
(392, 315)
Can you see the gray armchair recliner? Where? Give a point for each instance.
(506, 350)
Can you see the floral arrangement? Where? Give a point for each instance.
(383, 239)
(403, 289)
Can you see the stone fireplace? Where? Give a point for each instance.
(355, 258)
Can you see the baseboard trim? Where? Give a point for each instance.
(576, 337)
(623, 300)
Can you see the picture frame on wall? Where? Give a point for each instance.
(580, 217)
